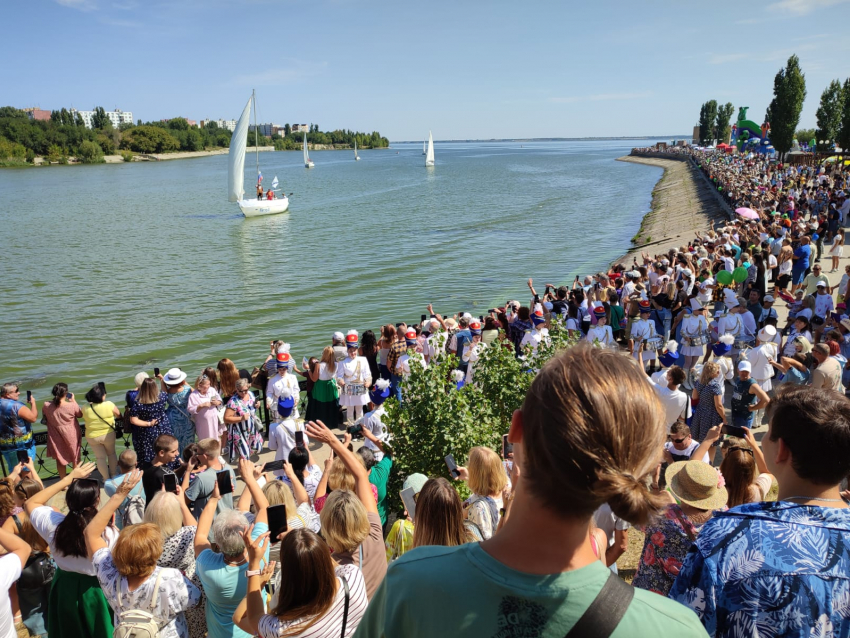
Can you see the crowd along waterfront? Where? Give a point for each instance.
(112, 269)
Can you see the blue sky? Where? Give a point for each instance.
(466, 70)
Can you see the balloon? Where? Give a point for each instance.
(724, 277)
(739, 275)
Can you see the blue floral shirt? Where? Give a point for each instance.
(770, 569)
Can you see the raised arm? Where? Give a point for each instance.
(711, 436)
(301, 495)
(94, 530)
(369, 435)
(758, 455)
(261, 503)
(40, 498)
(14, 545)
(362, 487)
(252, 608)
(202, 540)
(322, 487)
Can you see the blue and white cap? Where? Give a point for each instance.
(380, 392)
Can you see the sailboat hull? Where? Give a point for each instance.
(309, 164)
(429, 162)
(263, 207)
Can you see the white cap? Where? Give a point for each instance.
(338, 336)
(745, 366)
(767, 333)
(769, 298)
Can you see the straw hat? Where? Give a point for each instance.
(697, 484)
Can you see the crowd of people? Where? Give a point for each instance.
(628, 427)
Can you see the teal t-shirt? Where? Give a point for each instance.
(225, 586)
(378, 477)
(463, 591)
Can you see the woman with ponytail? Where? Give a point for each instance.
(589, 431)
(63, 429)
(77, 606)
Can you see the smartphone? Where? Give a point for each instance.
(23, 456)
(170, 482)
(491, 311)
(156, 372)
(29, 395)
(305, 363)
(399, 324)
(274, 466)
(277, 521)
(481, 318)
(732, 430)
(299, 439)
(102, 386)
(225, 485)
(409, 502)
(452, 465)
(433, 316)
(507, 447)
(70, 396)
(424, 317)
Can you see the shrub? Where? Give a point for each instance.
(127, 156)
(90, 153)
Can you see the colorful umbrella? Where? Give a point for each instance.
(747, 213)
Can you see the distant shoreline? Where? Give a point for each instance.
(559, 139)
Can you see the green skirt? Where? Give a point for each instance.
(323, 404)
(325, 391)
(77, 607)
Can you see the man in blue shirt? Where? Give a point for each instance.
(16, 419)
(782, 568)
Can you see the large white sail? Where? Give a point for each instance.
(306, 157)
(355, 149)
(429, 157)
(236, 156)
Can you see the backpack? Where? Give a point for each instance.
(137, 623)
(132, 511)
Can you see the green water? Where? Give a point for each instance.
(113, 269)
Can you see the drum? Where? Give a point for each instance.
(743, 341)
(698, 340)
(653, 344)
(355, 389)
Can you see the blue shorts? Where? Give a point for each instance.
(798, 275)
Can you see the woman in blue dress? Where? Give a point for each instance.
(149, 419)
(707, 400)
(177, 395)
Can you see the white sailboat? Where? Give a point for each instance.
(424, 150)
(356, 156)
(236, 170)
(308, 163)
(429, 155)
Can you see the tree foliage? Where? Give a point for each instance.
(149, 139)
(100, 120)
(843, 135)
(829, 113)
(789, 92)
(90, 153)
(722, 128)
(707, 122)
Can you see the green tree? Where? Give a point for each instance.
(789, 92)
(829, 113)
(178, 124)
(54, 153)
(843, 135)
(99, 120)
(90, 153)
(78, 120)
(707, 122)
(149, 139)
(194, 140)
(722, 128)
(287, 130)
(805, 134)
(11, 111)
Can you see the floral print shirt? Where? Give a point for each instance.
(770, 569)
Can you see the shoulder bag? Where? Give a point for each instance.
(345, 610)
(606, 611)
(115, 427)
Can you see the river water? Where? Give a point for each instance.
(112, 269)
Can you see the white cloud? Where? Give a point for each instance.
(803, 7)
(294, 70)
(80, 5)
(600, 97)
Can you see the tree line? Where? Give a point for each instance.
(339, 137)
(783, 113)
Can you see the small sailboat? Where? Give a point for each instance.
(429, 155)
(356, 156)
(308, 163)
(424, 149)
(236, 170)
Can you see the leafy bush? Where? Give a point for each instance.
(11, 150)
(90, 153)
(127, 156)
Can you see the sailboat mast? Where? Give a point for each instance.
(256, 144)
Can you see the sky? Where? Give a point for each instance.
(462, 69)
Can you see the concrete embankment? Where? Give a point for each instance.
(683, 201)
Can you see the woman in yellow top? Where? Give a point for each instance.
(99, 416)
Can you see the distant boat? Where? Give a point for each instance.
(424, 151)
(356, 156)
(308, 163)
(429, 155)
(236, 170)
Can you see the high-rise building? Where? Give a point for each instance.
(230, 125)
(117, 117)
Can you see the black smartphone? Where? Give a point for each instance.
(23, 456)
(274, 466)
(225, 485)
(102, 386)
(29, 395)
(399, 324)
(733, 430)
(156, 372)
(481, 318)
(507, 447)
(407, 497)
(491, 311)
(170, 482)
(70, 396)
(299, 439)
(452, 465)
(277, 521)
(424, 317)
(433, 316)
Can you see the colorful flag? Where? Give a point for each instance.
(274, 182)
(259, 177)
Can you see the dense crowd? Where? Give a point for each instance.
(627, 427)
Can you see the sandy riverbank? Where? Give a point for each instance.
(682, 203)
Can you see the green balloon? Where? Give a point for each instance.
(739, 275)
(724, 277)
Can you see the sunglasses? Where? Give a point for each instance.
(679, 441)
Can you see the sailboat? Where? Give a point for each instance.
(308, 163)
(424, 151)
(236, 169)
(356, 156)
(429, 155)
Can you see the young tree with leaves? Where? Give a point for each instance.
(707, 121)
(722, 128)
(843, 134)
(789, 92)
(829, 114)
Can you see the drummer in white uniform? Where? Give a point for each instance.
(761, 356)
(537, 334)
(601, 333)
(356, 378)
(694, 335)
(283, 380)
(472, 349)
(642, 330)
(411, 356)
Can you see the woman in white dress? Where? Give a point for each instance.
(837, 249)
(354, 376)
(693, 326)
(601, 332)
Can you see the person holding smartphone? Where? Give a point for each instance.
(16, 419)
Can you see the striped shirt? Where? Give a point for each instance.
(330, 624)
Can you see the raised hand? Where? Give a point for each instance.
(83, 471)
(130, 481)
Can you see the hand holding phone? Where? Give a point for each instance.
(299, 439)
(733, 430)
(156, 372)
(225, 485)
(408, 498)
(452, 465)
(277, 522)
(23, 456)
(170, 482)
(507, 448)
(274, 466)
(29, 396)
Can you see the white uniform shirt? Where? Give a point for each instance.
(275, 388)
(641, 330)
(533, 338)
(749, 322)
(760, 357)
(730, 324)
(282, 440)
(693, 326)
(348, 370)
(471, 352)
(403, 365)
(601, 333)
(372, 422)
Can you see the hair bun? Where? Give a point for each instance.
(629, 498)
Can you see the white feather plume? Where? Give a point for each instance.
(382, 384)
(354, 332)
(672, 346)
(458, 375)
(286, 393)
(284, 347)
(727, 339)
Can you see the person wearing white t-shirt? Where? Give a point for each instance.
(616, 530)
(11, 564)
(675, 402)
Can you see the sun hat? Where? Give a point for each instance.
(174, 376)
(745, 366)
(845, 323)
(352, 339)
(416, 481)
(697, 483)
